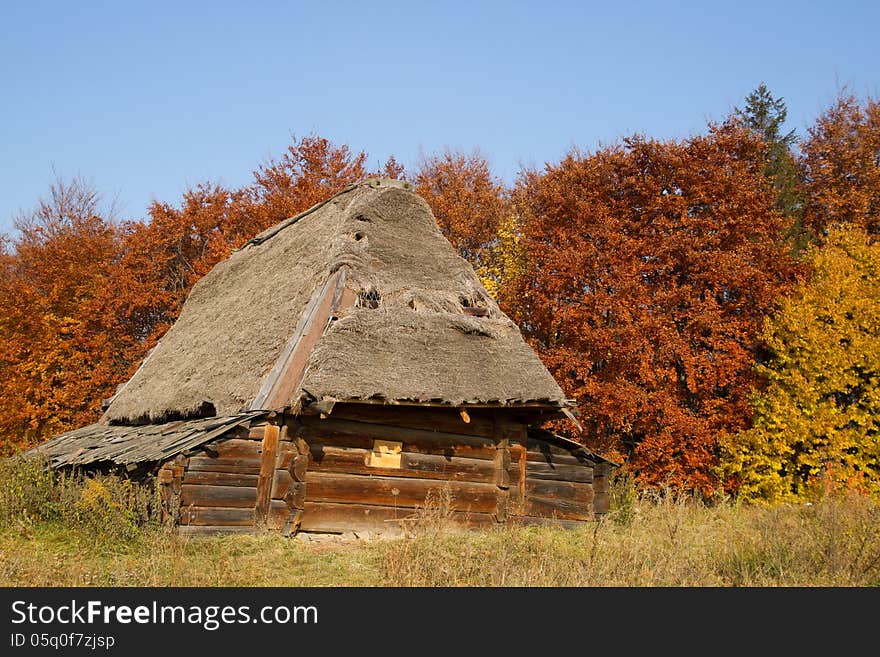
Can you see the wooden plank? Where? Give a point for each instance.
(291, 373)
(337, 518)
(601, 503)
(425, 466)
(220, 478)
(396, 491)
(563, 490)
(241, 466)
(206, 495)
(278, 515)
(217, 516)
(550, 508)
(361, 434)
(286, 451)
(295, 496)
(559, 472)
(298, 467)
(281, 484)
(233, 448)
(561, 459)
(267, 473)
(429, 419)
(502, 464)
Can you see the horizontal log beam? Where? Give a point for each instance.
(559, 490)
(547, 508)
(418, 444)
(233, 448)
(413, 417)
(390, 432)
(219, 478)
(217, 516)
(559, 472)
(426, 466)
(208, 464)
(396, 491)
(205, 495)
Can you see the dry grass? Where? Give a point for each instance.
(50, 536)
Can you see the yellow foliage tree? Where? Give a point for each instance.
(503, 259)
(819, 418)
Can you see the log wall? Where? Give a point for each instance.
(316, 473)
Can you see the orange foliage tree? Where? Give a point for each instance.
(841, 167)
(649, 267)
(60, 348)
(468, 202)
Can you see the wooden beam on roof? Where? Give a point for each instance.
(286, 377)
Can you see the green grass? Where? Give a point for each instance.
(74, 532)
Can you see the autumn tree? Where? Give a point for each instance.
(820, 415)
(467, 200)
(841, 167)
(311, 169)
(60, 348)
(649, 268)
(766, 115)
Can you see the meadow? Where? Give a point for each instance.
(104, 531)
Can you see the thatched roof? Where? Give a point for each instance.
(419, 326)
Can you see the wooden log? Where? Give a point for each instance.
(562, 490)
(424, 466)
(414, 417)
(267, 473)
(257, 431)
(294, 363)
(559, 459)
(206, 495)
(219, 478)
(233, 448)
(397, 491)
(562, 509)
(559, 472)
(428, 438)
(502, 465)
(501, 505)
(286, 451)
(411, 443)
(282, 483)
(278, 515)
(217, 516)
(295, 496)
(298, 467)
(240, 466)
(337, 518)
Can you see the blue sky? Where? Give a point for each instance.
(145, 99)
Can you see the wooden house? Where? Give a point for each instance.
(332, 374)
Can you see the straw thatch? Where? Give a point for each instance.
(408, 338)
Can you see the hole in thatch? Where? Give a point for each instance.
(465, 302)
(358, 237)
(369, 299)
(363, 217)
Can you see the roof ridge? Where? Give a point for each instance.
(375, 183)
